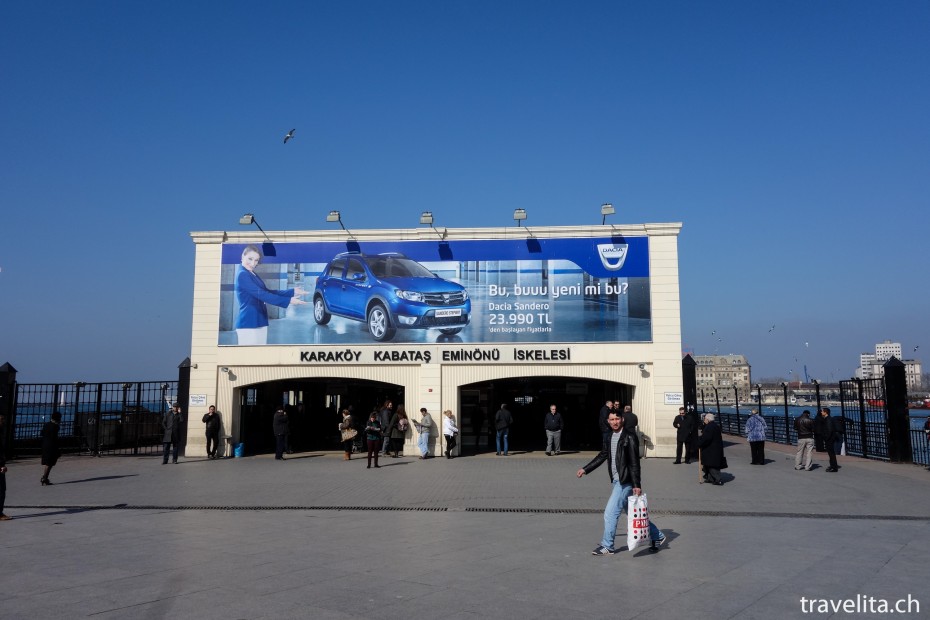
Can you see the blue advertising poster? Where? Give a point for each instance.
(469, 291)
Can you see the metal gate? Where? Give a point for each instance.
(863, 402)
(96, 418)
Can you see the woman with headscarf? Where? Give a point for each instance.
(398, 429)
(711, 447)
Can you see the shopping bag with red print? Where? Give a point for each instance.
(637, 527)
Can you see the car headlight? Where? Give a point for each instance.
(464, 294)
(409, 295)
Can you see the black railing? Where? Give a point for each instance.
(97, 418)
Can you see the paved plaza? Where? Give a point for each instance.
(473, 537)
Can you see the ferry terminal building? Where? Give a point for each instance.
(459, 319)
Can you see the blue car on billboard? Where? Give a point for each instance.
(389, 292)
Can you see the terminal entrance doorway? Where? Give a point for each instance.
(528, 398)
(313, 409)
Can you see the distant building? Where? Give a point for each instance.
(724, 372)
(871, 365)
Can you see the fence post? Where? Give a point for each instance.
(784, 389)
(689, 382)
(8, 405)
(863, 431)
(899, 423)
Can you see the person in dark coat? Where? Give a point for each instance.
(384, 417)
(212, 419)
(691, 447)
(279, 426)
(711, 445)
(630, 419)
(3, 516)
(397, 430)
(682, 423)
(502, 421)
(602, 420)
(50, 451)
(172, 423)
(820, 432)
(829, 437)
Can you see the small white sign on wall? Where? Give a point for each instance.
(197, 400)
(674, 398)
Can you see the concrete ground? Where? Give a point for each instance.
(473, 537)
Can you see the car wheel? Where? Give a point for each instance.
(450, 331)
(379, 324)
(320, 315)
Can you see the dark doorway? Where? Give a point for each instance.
(312, 406)
(528, 398)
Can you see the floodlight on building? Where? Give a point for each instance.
(248, 219)
(427, 218)
(519, 215)
(606, 209)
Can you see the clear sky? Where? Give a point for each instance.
(791, 139)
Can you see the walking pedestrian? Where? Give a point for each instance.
(397, 428)
(829, 438)
(682, 424)
(711, 445)
(373, 437)
(755, 434)
(424, 426)
(3, 515)
(279, 427)
(553, 431)
(384, 416)
(171, 423)
(50, 449)
(502, 422)
(212, 421)
(820, 432)
(450, 431)
(622, 455)
(805, 429)
(602, 420)
(346, 425)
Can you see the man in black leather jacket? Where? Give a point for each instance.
(621, 451)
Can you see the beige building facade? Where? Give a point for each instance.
(540, 331)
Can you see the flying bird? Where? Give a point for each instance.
(771, 329)
(915, 348)
(289, 135)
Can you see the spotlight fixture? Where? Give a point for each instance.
(606, 209)
(519, 215)
(248, 219)
(224, 369)
(427, 218)
(642, 366)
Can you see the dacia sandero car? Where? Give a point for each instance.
(389, 292)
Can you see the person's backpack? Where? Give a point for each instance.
(402, 425)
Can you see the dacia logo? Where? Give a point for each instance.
(613, 255)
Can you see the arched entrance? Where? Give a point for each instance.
(312, 405)
(528, 398)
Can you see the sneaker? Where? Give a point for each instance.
(4, 517)
(658, 542)
(602, 550)
(558, 452)
(548, 454)
(798, 468)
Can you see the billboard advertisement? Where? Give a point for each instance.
(592, 289)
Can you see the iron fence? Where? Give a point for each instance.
(96, 418)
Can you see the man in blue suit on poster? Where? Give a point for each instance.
(252, 295)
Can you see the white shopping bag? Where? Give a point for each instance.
(637, 526)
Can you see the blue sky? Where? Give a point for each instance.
(791, 139)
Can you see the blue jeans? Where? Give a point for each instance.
(502, 433)
(615, 507)
(423, 443)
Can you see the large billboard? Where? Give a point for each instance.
(592, 289)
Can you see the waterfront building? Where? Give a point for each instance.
(871, 365)
(459, 319)
(725, 372)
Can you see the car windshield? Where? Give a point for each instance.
(394, 267)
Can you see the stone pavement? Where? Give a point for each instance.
(473, 537)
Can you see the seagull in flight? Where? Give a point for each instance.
(771, 329)
(289, 135)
